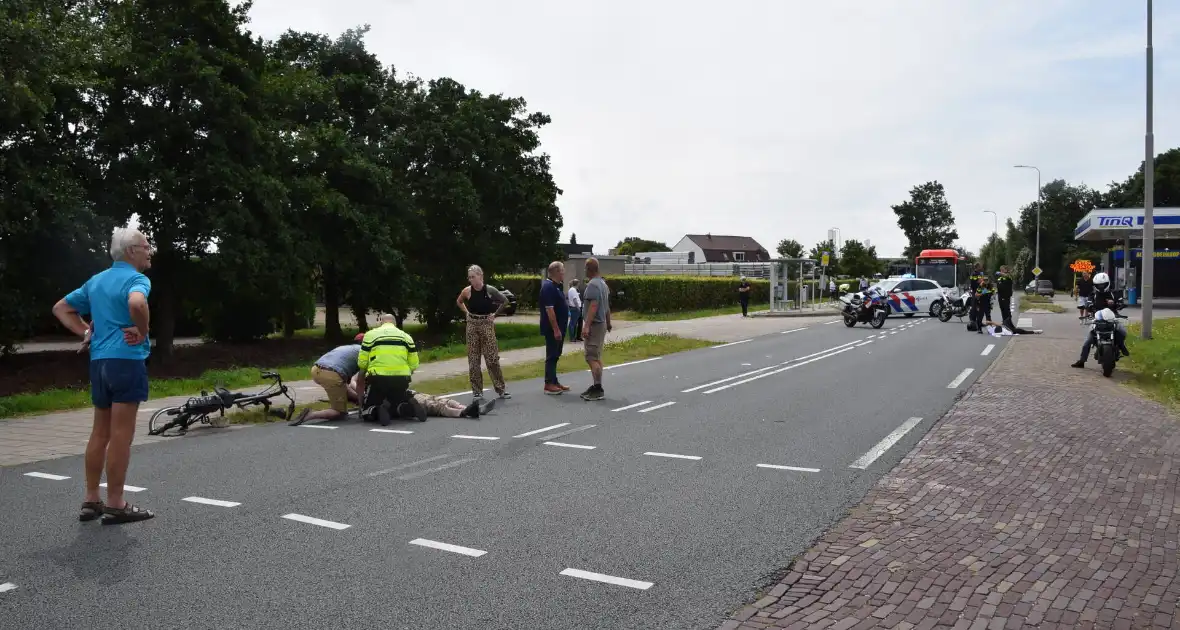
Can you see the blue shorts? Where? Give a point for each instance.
(118, 381)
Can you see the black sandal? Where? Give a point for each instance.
(126, 514)
(90, 510)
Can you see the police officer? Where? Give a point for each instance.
(1004, 284)
(981, 298)
(387, 360)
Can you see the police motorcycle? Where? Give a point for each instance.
(948, 306)
(1102, 334)
(864, 308)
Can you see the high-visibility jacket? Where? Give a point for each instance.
(388, 351)
(980, 284)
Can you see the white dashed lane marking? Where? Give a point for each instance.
(672, 455)
(608, 579)
(794, 468)
(960, 378)
(7, 586)
(638, 404)
(570, 445)
(615, 367)
(732, 343)
(126, 488)
(787, 332)
(987, 350)
(214, 502)
(885, 444)
(51, 477)
(391, 431)
(318, 426)
(659, 406)
(460, 436)
(316, 521)
(442, 546)
(536, 431)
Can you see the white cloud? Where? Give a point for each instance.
(782, 119)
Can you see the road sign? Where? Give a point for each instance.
(824, 259)
(1036, 272)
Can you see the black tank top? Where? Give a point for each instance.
(480, 303)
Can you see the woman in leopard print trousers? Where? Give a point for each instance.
(482, 303)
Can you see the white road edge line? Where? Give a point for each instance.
(795, 468)
(732, 343)
(659, 406)
(126, 488)
(536, 431)
(787, 332)
(960, 378)
(608, 579)
(763, 369)
(638, 404)
(611, 367)
(987, 350)
(474, 437)
(216, 502)
(41, 475)
(784, 369)
(401, 431)
(317, 426)
(7, 586)
(884, 445)
(442, 546)
(672, 455)
(589, 448)
(316, 521)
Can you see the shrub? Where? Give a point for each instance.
(657, 294)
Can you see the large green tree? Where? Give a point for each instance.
(817, 254)
(926, 219)
(1062, 206)
(633, 245)
(790, 248)
(858, 260)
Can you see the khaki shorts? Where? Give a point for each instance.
(334, 384)
(595, 341)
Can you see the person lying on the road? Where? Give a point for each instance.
(437, 406)
(336, 372)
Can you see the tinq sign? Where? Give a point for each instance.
(1116, 221)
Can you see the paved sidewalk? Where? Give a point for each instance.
(1048, 497)
(35, 438)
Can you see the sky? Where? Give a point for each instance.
(782, 119)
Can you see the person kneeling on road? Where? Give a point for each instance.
(387, 360)
(1120, 337)
(334, 372)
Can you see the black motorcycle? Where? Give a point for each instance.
(860, 309)
(1102, 332)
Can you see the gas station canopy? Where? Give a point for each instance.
(1111, 224)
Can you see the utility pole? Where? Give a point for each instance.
(1148, 194)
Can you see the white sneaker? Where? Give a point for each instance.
(505, 395)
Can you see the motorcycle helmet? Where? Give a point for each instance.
(1101, 281)
(1105, 315)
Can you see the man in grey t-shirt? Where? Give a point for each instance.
(596, 306)
(333, 372)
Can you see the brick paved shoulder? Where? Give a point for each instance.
(1046, 498)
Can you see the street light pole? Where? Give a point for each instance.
(995, 222)
(1037, 264)
(1148, 192)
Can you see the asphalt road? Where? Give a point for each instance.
(664, 506)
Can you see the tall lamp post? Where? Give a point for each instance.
(1037, 264)
(1148, 193)
(995, 221)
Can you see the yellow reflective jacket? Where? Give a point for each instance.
(388, 351)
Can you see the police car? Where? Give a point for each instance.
(907, 295)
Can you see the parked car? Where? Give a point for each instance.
(511, 297)
(1040, 287)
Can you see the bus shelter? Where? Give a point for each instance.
(790, 284)
(1116, 230)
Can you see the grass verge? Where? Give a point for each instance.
(1155, 365)
(633, 349)
(511, 336)
(681, 315)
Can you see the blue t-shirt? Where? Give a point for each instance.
(104, 299)
(551, 295)
(342, 360)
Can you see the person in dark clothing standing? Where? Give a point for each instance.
(1004, 284)
(744, 296)
(1083, 290)
(980, 298)
(555, 316)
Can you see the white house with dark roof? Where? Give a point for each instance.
(717, 248)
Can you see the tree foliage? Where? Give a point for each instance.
(789, 248)
(817, 254)
(264, 172)
(858, 260)
(926, 219)
(633, 245)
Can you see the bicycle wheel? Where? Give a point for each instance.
(158, 424)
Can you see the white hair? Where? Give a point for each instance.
(124, 238)
(475, 269)
(556, 266)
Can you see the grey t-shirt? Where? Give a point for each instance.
(597, 291)
(342, 360)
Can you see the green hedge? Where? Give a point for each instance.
(656, 294)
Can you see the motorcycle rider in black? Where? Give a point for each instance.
(1004, 291)
(1101, 297)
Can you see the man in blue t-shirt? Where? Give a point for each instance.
(555, 316)
(117, 337)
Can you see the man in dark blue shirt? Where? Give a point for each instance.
(554, 319)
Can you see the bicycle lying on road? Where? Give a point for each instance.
(198, 408)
